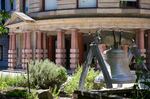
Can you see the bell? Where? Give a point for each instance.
(119, 65)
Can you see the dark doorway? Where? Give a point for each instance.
(68, 47)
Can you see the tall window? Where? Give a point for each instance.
(8, 5)
(25, 6)
(50, 4)
(1, 52)
(129, 3)
(0, 5)
(87, 3)
(14, 4)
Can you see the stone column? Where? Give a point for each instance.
(27, 50)
(140, 41)
(51, 47)
(44, 37)
(102, 47)
(74, 51)
(12, 51)
(39, 51)
(148, 50)
(60, 51)
(23, 50)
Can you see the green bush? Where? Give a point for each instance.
(73, 83)
(45, 74)
(21, 94)
(12, 81)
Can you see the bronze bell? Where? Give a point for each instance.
(119, 64)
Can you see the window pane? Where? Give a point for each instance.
(7, 5)
(87, 3)
(50, 4)
(128, 0)
(0, 4)
(14, 5)
(1, 52)
(26, 6)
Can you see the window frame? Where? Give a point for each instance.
(1, 54)
(77, 5)
(24, 6)
(43, 7)
(132, 7)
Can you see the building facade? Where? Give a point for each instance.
(61, 30)
(4, 40)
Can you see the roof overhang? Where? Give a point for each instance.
(19, 21)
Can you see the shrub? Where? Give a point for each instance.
(12, 81)
(73, 83)
(21, 94)
(45, 74)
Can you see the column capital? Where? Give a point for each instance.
(60, 30)
(74, 30)
(27, 31)
(137, 30)
(11, 33)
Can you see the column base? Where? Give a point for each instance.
(39, 54)
(60, 57)
(12, 59)
(74, 58)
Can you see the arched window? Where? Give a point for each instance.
(50, 4)
(87, 3)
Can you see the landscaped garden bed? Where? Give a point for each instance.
(50, 81)
(112, 94)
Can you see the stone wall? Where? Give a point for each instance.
(145, 4)
(108, 3)
(67, 4)
(35, 6)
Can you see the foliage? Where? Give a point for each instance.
(22, 93)
(45, 74)
(32, 95)
(3, 86)
(12, 81)
(3, 17)
(16, 93)
(55, 92)
(72, 84)
(142, 84)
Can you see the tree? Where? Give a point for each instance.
(3, 17)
